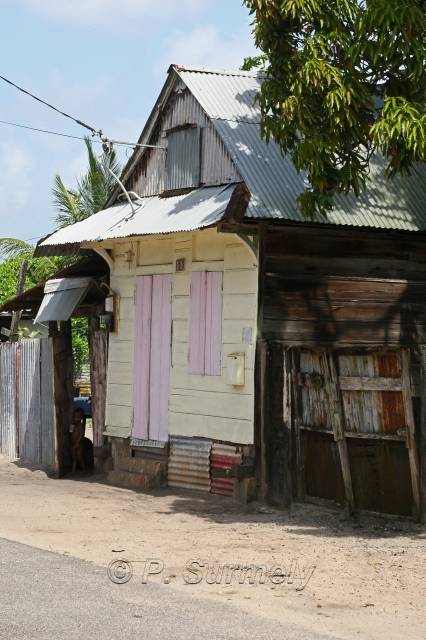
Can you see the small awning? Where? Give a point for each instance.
(61, 297)
(198, 209)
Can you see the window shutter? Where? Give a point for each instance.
(197, 328)
(205, 332)
(183, 159)
(142, 348)
(213, 343)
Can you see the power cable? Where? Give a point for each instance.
(76, 120)
(67, 135)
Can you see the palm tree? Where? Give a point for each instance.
(92, 189)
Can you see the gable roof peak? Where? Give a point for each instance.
(179, 68)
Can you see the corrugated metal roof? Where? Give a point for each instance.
(229, 99)
(224, 95)
(61, 297)
(153, 215)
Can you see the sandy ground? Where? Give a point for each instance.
(365, 579)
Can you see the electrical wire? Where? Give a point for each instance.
(54, 133)
(47, 104)
(95, 132)
(67, 135)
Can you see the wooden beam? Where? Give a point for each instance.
(103, 253)
(357, 434)
(338, 425)
(237, 204)
(98, 345)
(16, 315)
(411, 432)
(366, 383)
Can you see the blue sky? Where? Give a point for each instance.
(103, 61)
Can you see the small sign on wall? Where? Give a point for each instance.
(180, 264)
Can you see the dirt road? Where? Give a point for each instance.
(364, 579)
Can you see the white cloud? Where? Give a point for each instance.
(207, 46)
(15, 178)
(116, 14)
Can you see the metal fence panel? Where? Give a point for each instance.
(27, 406)
(29, 401)
(8, 399)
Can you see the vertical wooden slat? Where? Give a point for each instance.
(142, 351)
(197, 326)
(213, 337)
(411, 431)
(160, 357)
(337, 417)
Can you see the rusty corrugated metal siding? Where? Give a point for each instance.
(8, 444)
(224, 457)
(189, 463)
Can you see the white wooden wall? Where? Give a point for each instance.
(198, 405)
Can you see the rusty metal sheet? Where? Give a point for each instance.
(373, 411)
(224, 457)
(189, 463)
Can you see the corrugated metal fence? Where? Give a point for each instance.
(27, 409)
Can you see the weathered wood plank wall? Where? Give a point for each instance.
(331, 287)
(323, 288)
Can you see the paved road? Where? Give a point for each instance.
(45, 596)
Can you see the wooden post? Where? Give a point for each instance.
(259, 375)
(260, 415)
(411, 432)
(98, 345)
(423, 433)
(63, 390)
(16, 315)
(299, 472)
(338, 422)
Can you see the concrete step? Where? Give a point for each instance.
(143, 466)
(129, 480)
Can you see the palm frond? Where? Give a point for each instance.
(92, 190)
(68, 203)
(13, 247)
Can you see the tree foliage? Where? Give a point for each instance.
(343, 79)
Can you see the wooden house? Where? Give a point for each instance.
(250, 343)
